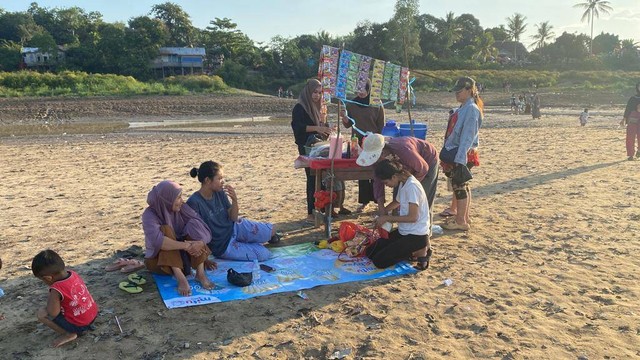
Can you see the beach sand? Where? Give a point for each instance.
(548, 271)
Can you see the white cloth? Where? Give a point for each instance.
(411, 192)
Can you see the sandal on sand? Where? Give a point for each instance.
(131, 288)
(447, 213)
(423, 261)
(275, 238)
(453, 225)
(137, 279)
(117, 265)
(133, 265)
(361, 208)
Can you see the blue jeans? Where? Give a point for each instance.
(246, 241)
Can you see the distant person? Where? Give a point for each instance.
(633, 133)
(232, 237)
(280, 92)
(633, 130)
(584, 117)
(513, 103)
(70, 309)
(535, 106)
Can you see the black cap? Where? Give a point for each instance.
(464, 82)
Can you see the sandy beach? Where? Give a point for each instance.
(548, 271)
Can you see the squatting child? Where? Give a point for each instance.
(70, 309)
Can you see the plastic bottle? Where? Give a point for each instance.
(354, 147)
(256, 270)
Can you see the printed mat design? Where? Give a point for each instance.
(297, 267)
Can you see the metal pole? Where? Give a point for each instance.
(328, 217)
(408, 95)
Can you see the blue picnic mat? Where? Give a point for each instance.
(298, 267)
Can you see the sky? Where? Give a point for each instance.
(263, 19)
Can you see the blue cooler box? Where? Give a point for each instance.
(419, 130)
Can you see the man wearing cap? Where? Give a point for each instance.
(459, 150)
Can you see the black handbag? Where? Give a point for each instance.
(448, 156)
(239, 279)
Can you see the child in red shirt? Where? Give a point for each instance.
(70, 309)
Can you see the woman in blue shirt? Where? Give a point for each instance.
(232, 237)
(460, 147)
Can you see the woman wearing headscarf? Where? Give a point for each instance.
(459, 152)
(368, 118)
(175, 237)
(306, 120)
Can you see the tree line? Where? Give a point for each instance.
(421, 41)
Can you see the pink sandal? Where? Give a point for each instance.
(117, 265)
(133, 265)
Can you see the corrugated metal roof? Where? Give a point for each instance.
(182, 51)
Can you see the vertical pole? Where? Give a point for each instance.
(408, 94)
(328, 216)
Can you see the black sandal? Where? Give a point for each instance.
(423, 261)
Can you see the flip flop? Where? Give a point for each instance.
(275, 238)
(446, 213)
(133, 265)
(344, 211)
(137, 279)
(130, 287)
(117, 265)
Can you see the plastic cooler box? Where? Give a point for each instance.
(419, 130)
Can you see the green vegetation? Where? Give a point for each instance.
(74, 83)
(494, 79)
(420, 41)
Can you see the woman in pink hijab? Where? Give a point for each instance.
(175, 237)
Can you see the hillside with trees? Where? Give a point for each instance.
(422, 41)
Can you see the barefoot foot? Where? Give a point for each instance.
(68, 337)
(205, 282)
(184, 288)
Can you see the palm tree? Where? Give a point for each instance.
(450, 30)
(484, 47)
(628, 45)
(544, 34)
(516, 26)
(593, 8)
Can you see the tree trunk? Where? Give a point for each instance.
(591, 43)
